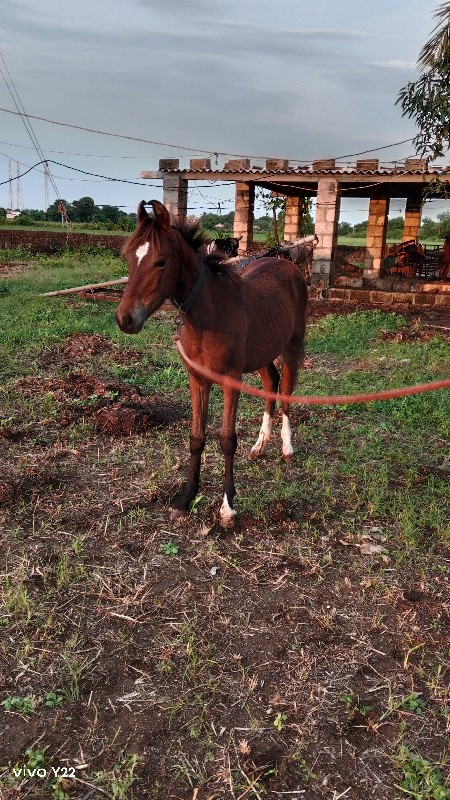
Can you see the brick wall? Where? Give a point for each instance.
(55, 241)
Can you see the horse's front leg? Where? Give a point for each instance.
(199, 390)
(228, 443)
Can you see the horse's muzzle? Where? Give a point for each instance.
(128, 322)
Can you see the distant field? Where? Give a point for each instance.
(353, 241)
(79, 227)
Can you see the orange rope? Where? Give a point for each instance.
(307, 400)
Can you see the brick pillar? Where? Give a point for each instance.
(175, 194)
(326, 229)
(376, 237)
(243, 214)
(413, 218)
(293, 218)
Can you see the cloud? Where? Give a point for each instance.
(396, 64)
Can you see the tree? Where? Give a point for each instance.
(427, 100)
(444, 224)
(107, 214)
(395, 226)
(360, 229)
(84, 209)
(438, 46)
(345, 229)
(53, 212)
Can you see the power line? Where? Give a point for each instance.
(182, 147)
(83, 171)
(23, 115)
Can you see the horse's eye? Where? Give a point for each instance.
(160, 263)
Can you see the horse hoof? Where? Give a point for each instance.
(177, 515)
(288, 457)
(228, 521)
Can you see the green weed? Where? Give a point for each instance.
(421, 780)
(20, 705)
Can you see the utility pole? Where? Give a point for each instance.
(11, 199)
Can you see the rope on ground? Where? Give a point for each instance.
(307, 400)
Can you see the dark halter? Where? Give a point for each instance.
(194, 293)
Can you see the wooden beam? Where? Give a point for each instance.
(85, 288)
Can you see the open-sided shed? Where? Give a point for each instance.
(325, 180)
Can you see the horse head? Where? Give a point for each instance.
(153, 267)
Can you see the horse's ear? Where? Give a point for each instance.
(162, 216)
(141, 212)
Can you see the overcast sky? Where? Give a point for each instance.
(298, 79)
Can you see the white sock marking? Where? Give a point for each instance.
(142, 251)
(263, 437)
(286, 437)
(227, 514)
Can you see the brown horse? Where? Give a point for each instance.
(231, 324)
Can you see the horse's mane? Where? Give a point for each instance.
(193, 235)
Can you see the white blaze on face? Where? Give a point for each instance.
(286, 437)
(142, 251)
(264, 436)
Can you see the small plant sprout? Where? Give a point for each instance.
(19, 705)
(279, 721)
(169, 548)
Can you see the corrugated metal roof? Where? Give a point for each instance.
(310, 171)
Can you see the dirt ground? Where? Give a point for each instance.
(262, 662)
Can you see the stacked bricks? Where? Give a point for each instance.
(175, 194)
(413, 217)
(243, 215)
(376, 236)
(237, 164)
(324, 163)
(200, 163)
(381, 297)
(370, 164)
(293, 218)
(276, 164)
(327, 216)
(416, 164)
(169, 163)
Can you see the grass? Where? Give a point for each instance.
(157, 660)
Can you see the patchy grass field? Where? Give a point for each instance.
(303, 655)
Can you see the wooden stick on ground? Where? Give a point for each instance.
(74, 289)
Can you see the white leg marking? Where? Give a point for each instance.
(286, 438)
(227, 514)
(264, 436)
(142, 251)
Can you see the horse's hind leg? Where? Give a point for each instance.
(200, 400)
(292, 357)
(228, 443)
(270, 379)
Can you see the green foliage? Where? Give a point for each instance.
(169, 548)
(421, 780)
(279, 721)
(209, 221)
(53, 699)
(21, 705)
(413, 703)
(25, 220)
(438, 45)
(427, 100)
(352, 334)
